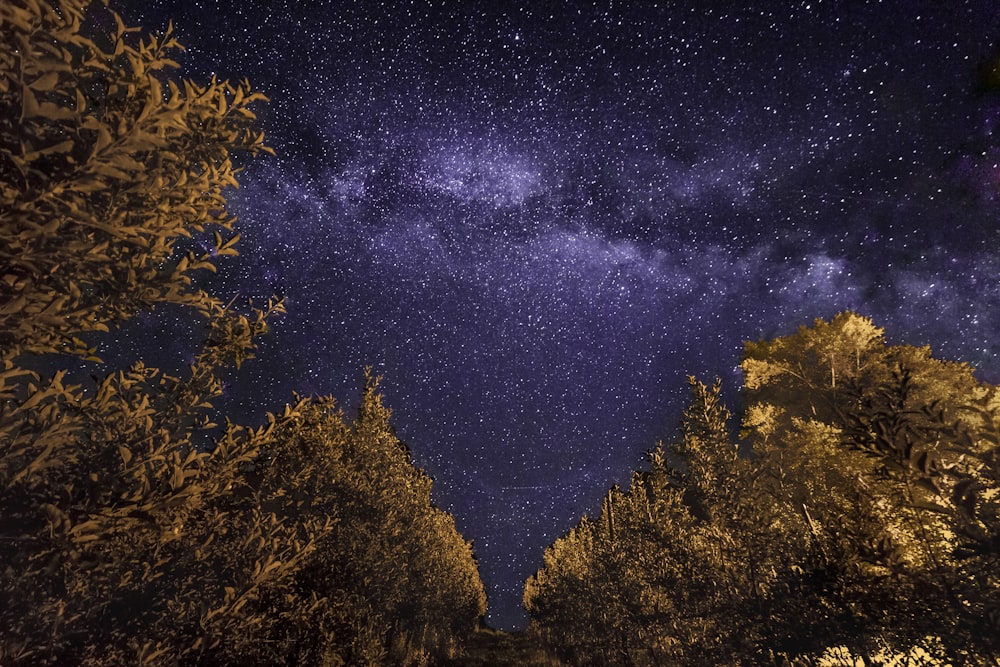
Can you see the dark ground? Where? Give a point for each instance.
(494, 648)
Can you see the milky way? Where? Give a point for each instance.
(535, 220)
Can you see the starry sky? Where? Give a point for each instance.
(536, 219)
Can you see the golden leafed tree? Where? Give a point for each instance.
(106, 162)
(134, 529)
(857, 514)
(108, 165)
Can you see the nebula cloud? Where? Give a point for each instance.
(536, 225)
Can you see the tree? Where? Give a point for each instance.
(106, 169)
(707, 450)
(661, 576)
(135, 529)
(392, 579)
(833, 531)
(803, 372)
(885, 559)
(107, 164)
(945, 455)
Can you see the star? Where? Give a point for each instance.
(535, 224)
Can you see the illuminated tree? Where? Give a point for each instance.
(133, 528)
(802, 372)
(835, 529)
(106, 169)
(392, 579)
(876, 566)
(944, 455)
(664, 559)
(106, 164)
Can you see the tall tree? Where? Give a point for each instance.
(886, 562)
(392, 580)
(835, 530)
(663, 558)
(134, 528)
(105, 167)
(804, 371)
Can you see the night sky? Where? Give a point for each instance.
(536, 219)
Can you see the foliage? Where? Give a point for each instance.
(105, 163)
(134, 528)
(860, 518)
(393, 575)
(664, 559)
